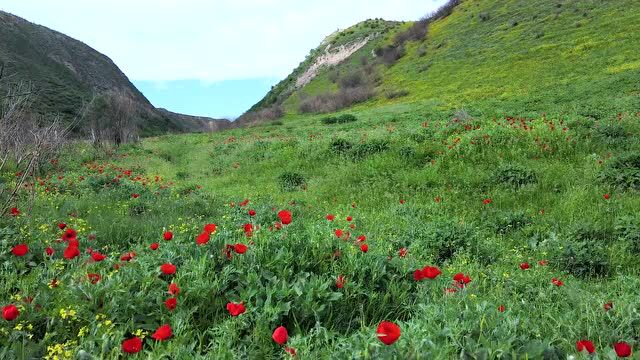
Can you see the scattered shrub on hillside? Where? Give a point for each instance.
(422, 51)
(352, 79)
(584, 251)
(329, 102)
(291, 181)
(182, 175)
(623, 172)
(513, 176)
(391, 53)
(340, 146)
(611, 133)
(511, 221)
(627, 229)
(484, 16)
(334, 75)
(342, 119)
(393, 94)
(271, 113)
(371, 147)
(449, 238)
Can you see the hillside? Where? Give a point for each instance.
(66, 74)
(531, 53)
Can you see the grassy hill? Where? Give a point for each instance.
(514, 159)
(66, 74)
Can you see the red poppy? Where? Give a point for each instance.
(338, 233)
(290, 350)
(361, 238)
(557, 282)
(210, 228)
(15, 212)
(94, 278)
(61, 226)
(606, 196)
(235, 309)
(543, 262)
(135, 196)
(49, 251)
(585, 345)
(168, 269)
(461, 279)
(71, 252)
(168, 235)
(154, 246)
(285, 217)
(402, 201)
(69, 234)
(244, 203)
(487, 201)
(364, 248)
(501, 308)
(240, 248)
(349, 218)
(248, 229)
(132, 345)
(608, 306)
(622, 349)
(97, 257)
(20, 250)
(162, 333)
(524, 266)
(203, 238)
(388, 332)
(340, 281)
(10, 312)
(437, 199)
(280, 335)
(171, 303)
(402, 252)
(330, 217)
(252, 212)
(174, 289)
(128, 256)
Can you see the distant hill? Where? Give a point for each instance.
(528, 51)
(67, 73)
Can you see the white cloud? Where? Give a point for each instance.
(215, 40)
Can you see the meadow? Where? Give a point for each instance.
(476, 233)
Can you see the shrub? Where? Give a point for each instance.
(291, 181)
(271, 113)
(340, 146)
(393, 94)
(448, 238)
(360, 151)
(584, 252)
(627, 229)
(342, 119)
(623, 171)
(484, 16)
(392, 53)
(514, 176)
(330, 102)
(511, 221)
(611, 134)
(352, 79)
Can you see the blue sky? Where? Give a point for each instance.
(208, 57)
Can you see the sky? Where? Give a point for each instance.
(208, 57)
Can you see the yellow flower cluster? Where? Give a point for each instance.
(60, 351)
(68, 313)
(141, 333)
(104, 323)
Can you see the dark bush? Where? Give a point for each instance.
(340, 146)
(584, 252)
(393, 94)
(330, 102)
(484, 16)
(623, 171)
(392, 53)
(627, 229)
(611, 134)
(291, 181)
(371, 147)
(511, 221)
(342, 119)
(352, 79)
(514, 176)
(271, 113)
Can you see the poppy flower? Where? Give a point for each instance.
(361, 238)
(285, 217)
(10, 312)
(135, 196)
(402, 252)
(606, 196)
(171, 303)
(248, 229)
(608, 306)
(461, 279)
(203, 238)
(240, 248)
(61, 226)
(69, 234)
(364, 248)
(388, 332)
(15, 212)
(437, 199)
(349, 218)
(49, 251)
(128, 256)
(340, 281)
(210, 228)
(97, 257)
(252, 212)
(235, 309)
(168, 269)
(622, 349)
(132, 345)
(162, 333)
(557, 282)
(94, 278)
(168, 235)
(244, 203)
(543, 262)
(174, 289)
(585, 345)
(280, 335)
(338, 233)
(20, 250)
(524, 266)
(402, 201)
(487, 201)
(290, 350)
(501, 308)
(330, 217)
(154, 246)
(71, 252)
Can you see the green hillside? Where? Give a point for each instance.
(512, 165)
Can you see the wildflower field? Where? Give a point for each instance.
(410, 232)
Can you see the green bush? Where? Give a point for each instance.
(627, 229)
(514, 176)
(623, 172)
(291, 181)
(371, 147)
(511, 221)
(584, 252)
(342, 119)
(340, 146)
